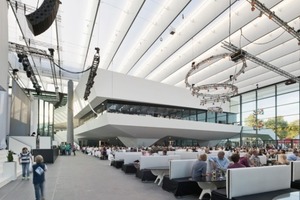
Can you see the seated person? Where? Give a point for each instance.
(164, 152)
(245, 160)
(219, 162)
(293, 156)
(235, 159)
(282, 160)
(271, 154)
(255, 161)
(199, 167)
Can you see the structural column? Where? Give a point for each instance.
(70, 127)
(4, 116)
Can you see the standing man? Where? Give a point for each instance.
(25, 160)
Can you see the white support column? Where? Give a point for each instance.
(3, 45)
(34, 116)
(4, 117)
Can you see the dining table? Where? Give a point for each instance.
(209, 183)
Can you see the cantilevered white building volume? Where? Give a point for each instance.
(139, 112)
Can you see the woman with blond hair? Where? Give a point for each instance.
(282, 160)
(199, 167)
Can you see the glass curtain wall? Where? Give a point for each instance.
(162, 111)
(45, 118)
(269, 116)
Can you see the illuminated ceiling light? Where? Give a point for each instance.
(188, 47)
(172, 31)
(147, 31)
(15, 71)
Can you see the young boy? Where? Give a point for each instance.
(38, 171)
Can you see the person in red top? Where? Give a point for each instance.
(235, 159)
(245, 160)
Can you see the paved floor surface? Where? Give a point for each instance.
(84, 177)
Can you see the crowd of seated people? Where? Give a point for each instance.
(249, 157)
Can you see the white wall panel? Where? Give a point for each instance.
(3, 45)
(111, 85)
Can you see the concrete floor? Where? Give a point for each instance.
(84, 177)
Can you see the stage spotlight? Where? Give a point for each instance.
(28, 74)
(25, 63)
(20, 57)
(15, 72)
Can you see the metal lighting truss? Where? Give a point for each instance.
(256, 4)
(93, 73)
(22, 52)
(19, 48)
(30, 74)
(233, 48)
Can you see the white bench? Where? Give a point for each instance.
(187, 155)
(131, 157)
(159, 165)
(255, 180)
(181, 168)
(178, 181)
(295, 165)
(122, 155)
(147, 162)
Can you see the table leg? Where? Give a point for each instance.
(206, 187)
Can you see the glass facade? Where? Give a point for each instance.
(269, 115)
(135, 108)
(45, 118)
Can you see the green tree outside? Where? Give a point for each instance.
(282, 126)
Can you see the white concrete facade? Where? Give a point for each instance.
(136, 128)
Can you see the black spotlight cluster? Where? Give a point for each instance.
(93, 73)
(22, 58)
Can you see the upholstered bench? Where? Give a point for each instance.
(129, 168)
(145, 175)
(295, 165)
(259, 183)
(117, 163)
(181, 186)
(220, 194)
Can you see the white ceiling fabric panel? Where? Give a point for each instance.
(134, 37)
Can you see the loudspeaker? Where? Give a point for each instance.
(41, 19)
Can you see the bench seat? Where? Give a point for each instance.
(117, 163)
(295, 174)
(129, 168)
(220, 194)
(181, 186)
(145, 175)
(295, 184)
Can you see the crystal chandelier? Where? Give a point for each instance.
(216, 92)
